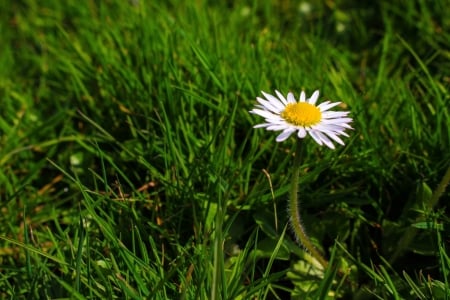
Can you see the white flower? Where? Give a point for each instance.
(304, 117)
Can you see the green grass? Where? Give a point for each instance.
(129, 168)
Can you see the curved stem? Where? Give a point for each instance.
(294, 211)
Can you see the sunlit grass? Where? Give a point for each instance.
(129, 168)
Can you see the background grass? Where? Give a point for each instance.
(129, 167)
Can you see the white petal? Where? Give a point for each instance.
(313, 134)
(262, 125)
(314, 97)
(302, 96)
(346, 120)
(272, 106)
(334, 136)
(291, 98)
(285, 134)
(277, 127)
(325, 140)
(264, 113)
(278, 121)
(337, 121)
(334, 114)
(281, 97)
(323, 103)
(274, 100)
(326, 106)
(339, 127)
(332, 128)
(301, 132)
(259, 106)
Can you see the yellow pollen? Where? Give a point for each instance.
(301, 114)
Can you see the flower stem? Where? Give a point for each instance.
(294, 211)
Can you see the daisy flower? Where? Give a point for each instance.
(304, 117)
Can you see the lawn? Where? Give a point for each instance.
(130, 168)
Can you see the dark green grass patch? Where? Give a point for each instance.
(129, 167)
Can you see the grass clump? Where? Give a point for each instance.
(129, 168)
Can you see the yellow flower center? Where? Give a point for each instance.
(301, 114)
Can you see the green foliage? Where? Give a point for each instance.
(129, 168)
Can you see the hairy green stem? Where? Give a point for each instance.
(294, 211)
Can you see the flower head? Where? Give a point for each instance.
(304, 117)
